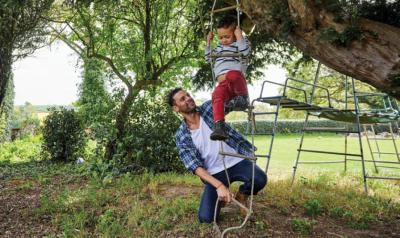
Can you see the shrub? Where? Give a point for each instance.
(63, 135)
(149, 141)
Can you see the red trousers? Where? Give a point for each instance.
(233, 85)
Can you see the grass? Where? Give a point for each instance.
(285, 151)
(138, 204)
(156, 205)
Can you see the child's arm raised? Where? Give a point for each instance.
(242, 42)
(207, 50)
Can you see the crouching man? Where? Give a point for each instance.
(200, 155)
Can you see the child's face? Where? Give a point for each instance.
(225, 35)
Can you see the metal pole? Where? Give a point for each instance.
(273, 136)
(394, 142)
(347, 125)
(305, 122)
(369, 145)
(359, 135)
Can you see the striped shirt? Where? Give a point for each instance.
(224, 64)
(191, 156)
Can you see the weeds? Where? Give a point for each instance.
(303, 226)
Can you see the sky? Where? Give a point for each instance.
(52, 74)
(49, 77)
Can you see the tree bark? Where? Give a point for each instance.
(5, 71)
(120, 123)
(374, 59)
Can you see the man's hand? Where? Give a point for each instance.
(210, 37)
(238, 33)
(224, 194)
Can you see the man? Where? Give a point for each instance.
(200, 155)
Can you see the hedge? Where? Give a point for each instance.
(295, 126)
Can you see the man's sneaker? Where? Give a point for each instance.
(238, 103)
(242, 198)
(219, 132)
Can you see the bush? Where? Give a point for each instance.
(149, 141)
(63, 135)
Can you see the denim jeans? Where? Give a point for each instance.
(241, 171)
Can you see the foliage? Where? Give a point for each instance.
(150, 138)
(23, 30)
(63, 135)
(287, 126)
(6, 111)
(25, 119)
(97, 107)
(313, 207)
(303, 226)
(22, 150)
(142, 45)
(385, 11)
(344, 38)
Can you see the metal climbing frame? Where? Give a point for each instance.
(379, 162)
(355, 116)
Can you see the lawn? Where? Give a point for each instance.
(53, 200)
(285, 151)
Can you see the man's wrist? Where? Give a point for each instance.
(219, 185)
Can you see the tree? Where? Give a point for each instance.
(145, 44)
(329, 31)
(22, 31)
(358, 38)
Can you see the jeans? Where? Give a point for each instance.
(241, 171)
(233, 85)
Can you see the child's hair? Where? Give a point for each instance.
(227, 21)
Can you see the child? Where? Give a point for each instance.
(232, 88)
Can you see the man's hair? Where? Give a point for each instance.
(227, 21)
(171, 94)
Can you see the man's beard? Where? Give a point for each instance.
(190, 109)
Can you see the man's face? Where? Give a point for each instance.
(183, 102)
(226, 36)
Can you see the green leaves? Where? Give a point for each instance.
(63, 135)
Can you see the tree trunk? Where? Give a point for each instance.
(5, 71)
(120, 123)
(373, 59)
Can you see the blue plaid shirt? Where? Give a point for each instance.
(188, 152)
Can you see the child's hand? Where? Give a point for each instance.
(210, 37)
(238, 33)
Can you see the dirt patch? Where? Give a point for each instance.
(182, 190)
(19, 202)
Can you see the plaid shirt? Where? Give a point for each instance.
(188, 152)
